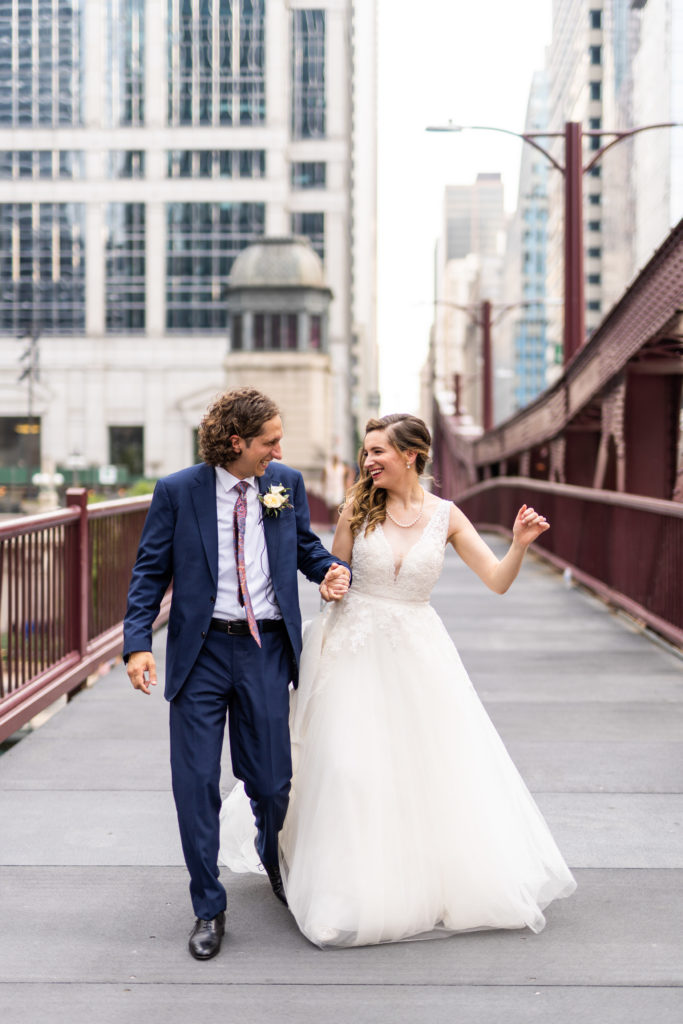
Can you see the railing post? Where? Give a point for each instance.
(78, 573)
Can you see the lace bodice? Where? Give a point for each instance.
(373, 561)
(382, 598)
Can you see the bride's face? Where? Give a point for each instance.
(383, 462)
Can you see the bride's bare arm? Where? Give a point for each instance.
(497, 574)
(336, 583)
(342, 545)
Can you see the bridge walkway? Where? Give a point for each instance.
(94, 909)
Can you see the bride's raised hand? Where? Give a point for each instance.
(528, 526)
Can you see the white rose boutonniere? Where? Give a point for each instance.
(275, 500)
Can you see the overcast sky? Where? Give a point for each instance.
(440, 60)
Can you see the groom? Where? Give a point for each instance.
(231, 534)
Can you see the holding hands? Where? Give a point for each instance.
(336, 582)
(528, 526)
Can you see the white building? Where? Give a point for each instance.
(616, 65)
(522, 347)
(657, 97)
(576, 68)
(143, 145)
(468, 270)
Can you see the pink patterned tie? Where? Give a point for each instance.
(239, 520)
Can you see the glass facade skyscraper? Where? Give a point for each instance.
(143, 145)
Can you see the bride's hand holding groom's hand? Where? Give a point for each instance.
(336, 583)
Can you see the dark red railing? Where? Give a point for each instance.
(629, 549)
(63, 583)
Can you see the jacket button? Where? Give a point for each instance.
(203, 634)
(212, 599)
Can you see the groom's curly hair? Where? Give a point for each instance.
(241, 411)
(369, 503)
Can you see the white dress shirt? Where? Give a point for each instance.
(255, 553)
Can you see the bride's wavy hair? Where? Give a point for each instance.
(368, 503)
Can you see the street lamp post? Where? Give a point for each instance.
(481, 315)
(574, 334)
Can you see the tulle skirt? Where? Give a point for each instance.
(407, 817)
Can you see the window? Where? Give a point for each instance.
(126, 163)
(594, 253)
(308, 74)
(596, 90)
(252, 163)
(125, 268)
(595, 279)
(41, 63)
(207, 163)
(312, 226)
(309, 175)
(595, 53)
(595, 123)
(594, 305)
(203, 240)
(41, 164)
(216, 60)
(20, 442)
(259, 332)
(595, 225)
(596, 172)
(316, 339)
(42, 268)
(595, 199)
(236, 333)
(126, 448)
(291, 331)
(595, 19)
(125, 68)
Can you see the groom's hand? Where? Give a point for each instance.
(336, 582)
(142, 670)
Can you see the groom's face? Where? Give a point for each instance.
(257, 452)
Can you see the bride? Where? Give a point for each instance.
(407, 817)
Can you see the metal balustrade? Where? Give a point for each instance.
(627, 548)
(63, 586)
(63, 583)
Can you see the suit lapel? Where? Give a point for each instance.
(204, 501)
(270, 523)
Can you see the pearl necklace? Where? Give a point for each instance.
(406, 526)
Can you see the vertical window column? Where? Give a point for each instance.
(308, 74)
(125, 268)
(216, 61)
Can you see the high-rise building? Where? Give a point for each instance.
(522, 347)
(616, 65)
(468, 268)
(143, 145)
(577, 85)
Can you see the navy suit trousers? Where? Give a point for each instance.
(234, 678)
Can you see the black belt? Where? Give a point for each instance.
(240, 627)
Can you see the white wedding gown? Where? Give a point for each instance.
(407, 817)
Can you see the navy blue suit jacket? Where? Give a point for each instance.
(179, 542)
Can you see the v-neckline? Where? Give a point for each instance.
(397, 573)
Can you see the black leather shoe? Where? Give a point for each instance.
(205, 939)
(275, 879)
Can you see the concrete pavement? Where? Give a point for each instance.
(94, 908)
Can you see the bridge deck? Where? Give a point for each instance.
(94, 910)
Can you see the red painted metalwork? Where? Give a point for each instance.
(487, 396)
(613, 421)
(63, 583)
(574, 288)
(627, 548)
(640, 337)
